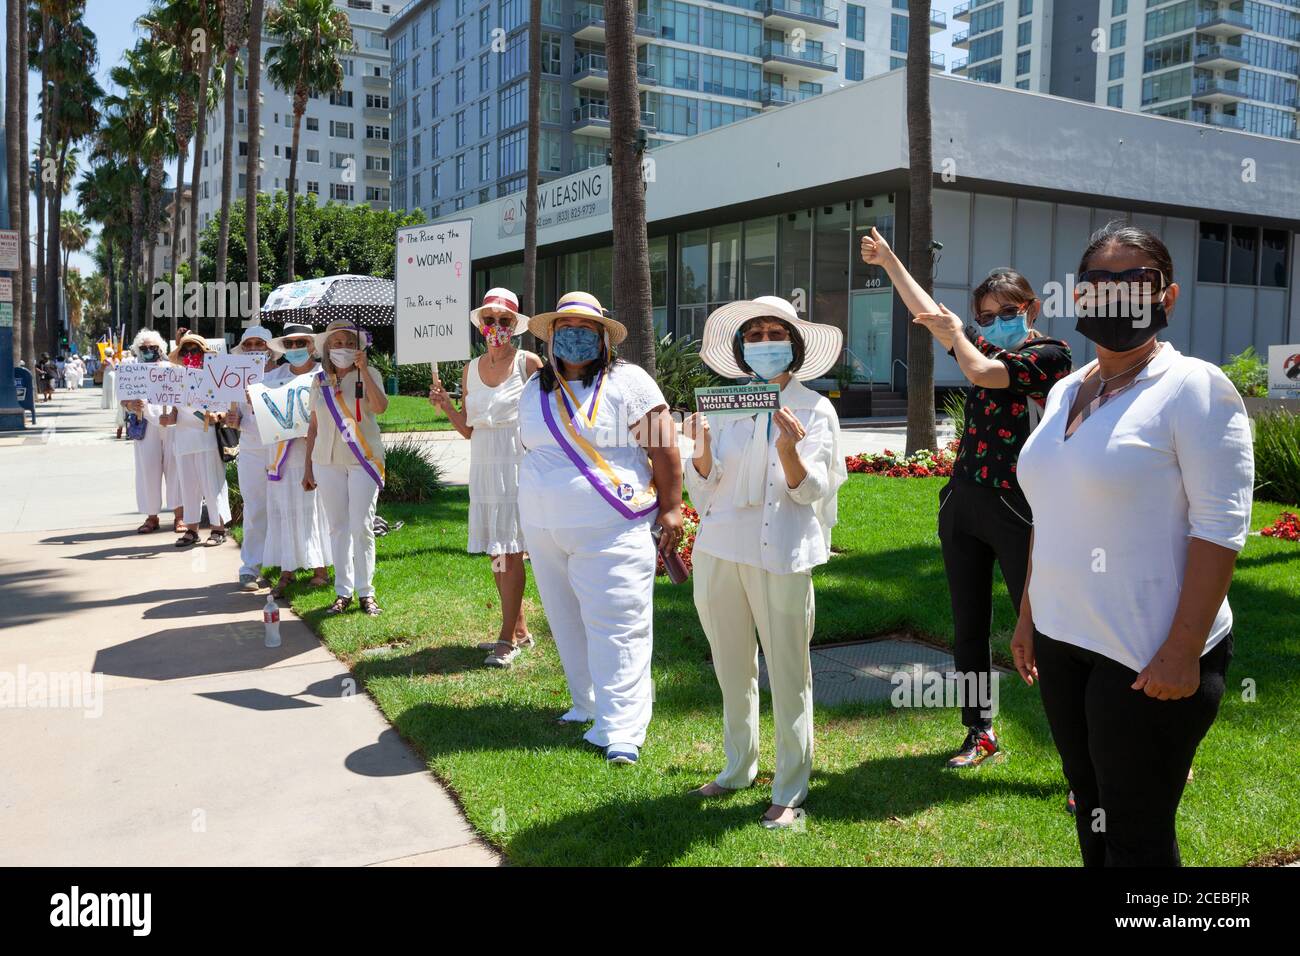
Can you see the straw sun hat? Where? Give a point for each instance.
(186, 339)
(344, 325)
(504, 300)
(583, 306)
(822, 343)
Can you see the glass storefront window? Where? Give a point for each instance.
(795, 260)
(831, 258)
(1272, 263)
(724, 263)
(759, 269)
(693, 267)
(877, 211)
(1245, 255)
(659, 283)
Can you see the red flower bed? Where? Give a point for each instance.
(924, 464)
(1286, 527)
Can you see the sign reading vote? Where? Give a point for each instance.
(159, 383)
(738, 399)
(223, 379)
(282, 411)
(432, 276)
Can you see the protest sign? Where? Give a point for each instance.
(282, 411)
(432, 275)
(738, 399)
(223, 379)
(159, 383)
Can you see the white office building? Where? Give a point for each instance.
(344, 138)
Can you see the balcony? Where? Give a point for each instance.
(1221, 56)
(1221, 120)
(375, 112)
(592, 119)
(380, 205)
(377, 142)
(1223, 24)
(795, 14)
(806, 63)
(937, 60)
(961, 39)
(962, 12)
(958, 67)
(586, 159)
(378, 175)
(591, 72)
(774, 96)
(374, 82)
(589, 24)
(1211, 89)
(938, 21)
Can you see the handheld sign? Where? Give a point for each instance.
(281, 411)
(223, 378)
(158, 383)
(432, 276)
(738, 399)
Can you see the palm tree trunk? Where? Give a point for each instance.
(254, 147)
(52, 279)
(41, 327)
(152, 224)
(133, 260)
(299, 107)
(529, 291)
(12, 156)
(182, 145)
(200, 135)
(920, 260)
(631, 253)
(227, 176)
(25, 228)
(114, 320)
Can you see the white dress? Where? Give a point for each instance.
(494, 455)
(297, 532)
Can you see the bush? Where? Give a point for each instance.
(679, 371)
(416, 379)
(1277, 457)
(1248, 372)
(954, 406)
(408, 475)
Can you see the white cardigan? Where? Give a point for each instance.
(1114, 506)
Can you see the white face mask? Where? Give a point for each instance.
(343, 358)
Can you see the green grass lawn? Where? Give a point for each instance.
(412, 413)
(879, 793)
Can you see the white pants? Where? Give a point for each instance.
(349, 496)
(203, 479)
(154, 463)
(252, 488)
(597, 588)
(733, 600)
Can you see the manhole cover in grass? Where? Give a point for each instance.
(847, 673)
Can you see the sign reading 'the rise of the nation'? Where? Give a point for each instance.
(432, 275)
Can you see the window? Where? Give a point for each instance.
(1026, 7)
(512, 105)
(1272, 259)
(436, 136)
(342, 160)
(1115, 97)
(548, 151)
(415, 151)
(460, 171)
(550, 105)
(416, 119)
(852, 64)
(1024, 33)
(512, 153)
(1118, 34)
(341, 98)
(460, 129)
(484, 117)
(377, 132)
(313, 187)
(313, 124)
(1022, 62)
(1211, 259)
(856, 22)
(483, 171)
(1244, 259)
(376, 101)
(460, 42)
(484, 26)
(377, 193)
(341, 191)
(460, 86)
(435, 178)
(378, 164)
(1116, 66)
(433, 98)
(898, 34)
(1118, 8)
(340, 129)
(551, 53)
(484, 71)
(435, 56)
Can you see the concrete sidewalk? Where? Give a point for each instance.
(192, 743)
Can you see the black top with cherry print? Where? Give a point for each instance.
(997, 419)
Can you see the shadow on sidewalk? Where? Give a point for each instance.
(196, 651)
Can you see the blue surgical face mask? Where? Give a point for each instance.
(768, 359)
(574, 344)
(1007, 333)
(297, 356)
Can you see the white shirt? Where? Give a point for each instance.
(553, 493)
(1114, 506)
(249, 437)
(791, 531)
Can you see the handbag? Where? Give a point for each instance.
(135, 427)
(227, 441)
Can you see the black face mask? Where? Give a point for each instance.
(149, 355)
(1121, 333)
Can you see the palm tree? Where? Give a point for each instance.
(25, 225)
(631, 254)
(209, 21)
(75, 293)
(74, 235)
(312, 35)
(104, 197)
(920, 255)
(534, 146)
(254, 149)
(122, 137)
(234, 32)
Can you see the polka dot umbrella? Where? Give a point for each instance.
(362, 300)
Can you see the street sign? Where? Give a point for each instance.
(9, 249)
(6, 290)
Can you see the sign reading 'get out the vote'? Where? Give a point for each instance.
(432, 275)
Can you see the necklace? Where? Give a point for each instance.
(1106, 380)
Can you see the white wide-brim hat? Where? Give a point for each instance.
(252, 332)
(584, 306)
(341, 325)
(822, 343)
(504, 300)
(293, 330)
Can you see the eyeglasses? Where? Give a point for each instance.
(298, 343)
(985, 319)
(1134, 282)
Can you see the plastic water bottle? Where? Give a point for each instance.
(271, 619)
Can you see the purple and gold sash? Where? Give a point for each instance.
(350, 433)
(622, 497)
(275, 470)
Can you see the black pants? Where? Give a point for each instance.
(977, 526)
(1126, 755)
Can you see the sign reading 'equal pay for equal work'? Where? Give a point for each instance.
(159, 383)
(432, 276)
(738, 399)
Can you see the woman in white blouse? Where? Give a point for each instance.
(765, 487)
(202, 472)
(601, 466)
(1140, 476)
(155, 458)
(490, 387)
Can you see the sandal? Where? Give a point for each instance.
(489, 645)
(340, 605)
(149, 527)
(370, 607)
(317, 582)
(502, 660)
(179, 526)
(215, 538)
(188, 538)
(281, 587)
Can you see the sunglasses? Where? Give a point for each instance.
(298, 343)
(985, 319)
(1143, 281)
